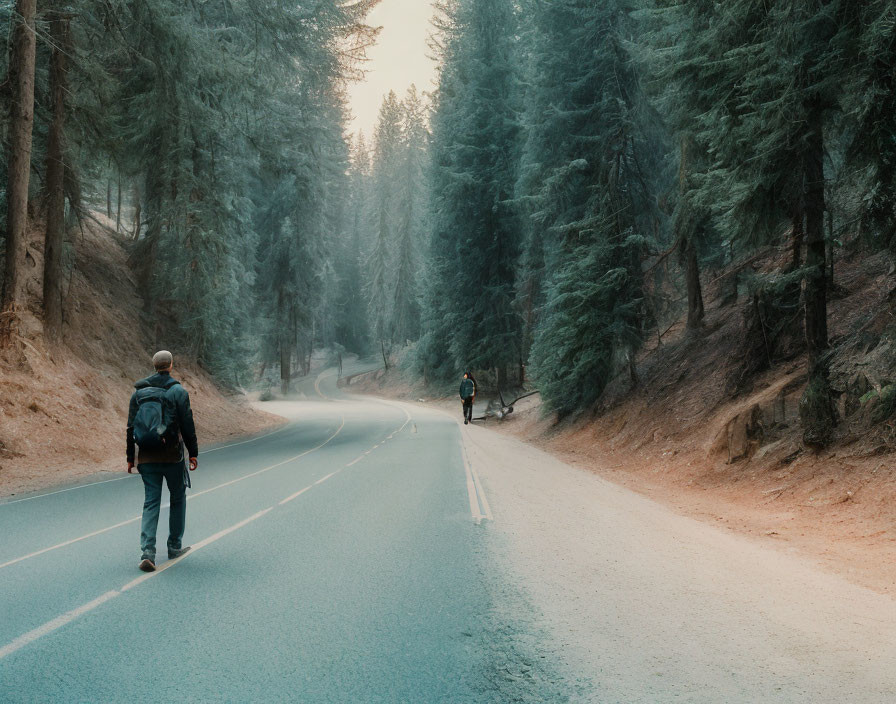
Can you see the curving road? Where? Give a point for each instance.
(336, 559)
(371, 551)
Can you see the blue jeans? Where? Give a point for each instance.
(152, 474)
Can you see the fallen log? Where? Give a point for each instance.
(499, 408)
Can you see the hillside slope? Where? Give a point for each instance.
(63, 411)
(724, 446)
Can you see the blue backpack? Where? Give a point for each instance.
(154, 424)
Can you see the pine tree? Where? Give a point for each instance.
(55, 180)
(339, 258)
(405, 302)
(381, 277)
(232, 153)
(440, 317)
(21, 122)
(474, 240)
(760, 82)
(168, 100)
(591, 207)
(351, 329)
(870, 107)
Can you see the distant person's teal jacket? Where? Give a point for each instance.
(180, 399)
(467, 389)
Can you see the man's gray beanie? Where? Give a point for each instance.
(162, 360)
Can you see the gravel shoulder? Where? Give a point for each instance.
(657, 606)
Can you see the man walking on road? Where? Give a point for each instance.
(468, 395)
(160, 423)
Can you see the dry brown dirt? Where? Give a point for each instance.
(63, 411)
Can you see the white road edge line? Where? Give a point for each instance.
(481, 492)
(55, 624)
(273, 466)
(69, 542)
(394, 433)
(296, 495)
(118, 479)
(204, 452)
(323, 479)
(197, 546)
(66, 618)
(62, 491)
(190, 496)
(243, 442)
(474, 486)
(317, 385)
(471, 489)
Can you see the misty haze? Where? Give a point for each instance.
(448, 351)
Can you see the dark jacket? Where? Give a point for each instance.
(467, 389)
(180, 400)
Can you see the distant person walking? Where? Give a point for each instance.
(468, 395)
(160, 423)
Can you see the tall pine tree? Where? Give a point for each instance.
(583, 178)
(405, 301)
(474, 240)
(386, 164)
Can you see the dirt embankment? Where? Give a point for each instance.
(63, 410)
(696, 435)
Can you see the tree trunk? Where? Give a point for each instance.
(137, 213)
(286, 342)
(55, 183)
(118, 206)
(816, 406)
(21, 123)
(829, 265)
(72, 187)
(502, 376)
(796, 243)
(385, 360)
(688, 247)
(830, 262)
(285, 365)
(816, 281)
(310, 348)
(695, 293)
(109, 198)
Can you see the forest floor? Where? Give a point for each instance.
(684, 439)
(63, 411)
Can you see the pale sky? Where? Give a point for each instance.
(398, 59)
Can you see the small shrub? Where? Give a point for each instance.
(885, 408)
(817, 413)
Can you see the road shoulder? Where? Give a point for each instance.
(617, 577)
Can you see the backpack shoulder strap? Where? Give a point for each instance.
(150, 393)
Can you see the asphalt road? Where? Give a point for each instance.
(339, 559)
(371, 551)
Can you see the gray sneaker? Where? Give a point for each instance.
(178, 552)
